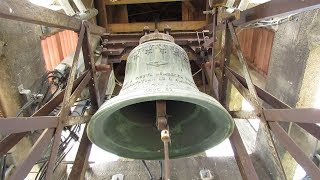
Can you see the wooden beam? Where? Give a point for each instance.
(174, 25)
(102, 15)
(118, 2)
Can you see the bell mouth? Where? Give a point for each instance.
(125, 125)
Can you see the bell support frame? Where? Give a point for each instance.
(121, 44)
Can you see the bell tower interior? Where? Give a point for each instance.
(159, 89)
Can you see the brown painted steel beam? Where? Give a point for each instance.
(77, 92)
(264, 95)
(312, 170)
(286, 141)
(313, 129)
(241, 58)
(224, 61)
(243, 91)
(23, 124)
(243, 115)
(23, 168)
(252, 97)
(89, 63)
(242, 157)
(307, 115)
(104, 79)
(8, 142)
(276, 8)
(65, 109)
(81, 162)
(212, 69)
(25, 11)
(271, 9)
(16, 125)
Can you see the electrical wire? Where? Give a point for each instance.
(148, 170)
(160, 162)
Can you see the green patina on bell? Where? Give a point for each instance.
(126, 124)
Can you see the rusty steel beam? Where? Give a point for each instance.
(312, 170)
(81, 162)
(242, 157)
(23, 168)
(23, 124)
(65, 109)
(25, 11)
(307, 115)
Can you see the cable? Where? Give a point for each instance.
(149, 173)
(197, 72)
(160, 162)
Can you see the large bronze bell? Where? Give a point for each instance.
(158, 69)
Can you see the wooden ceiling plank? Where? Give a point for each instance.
(118, 2)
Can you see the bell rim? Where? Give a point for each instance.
(118, 103)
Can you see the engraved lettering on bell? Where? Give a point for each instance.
(157, 53)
